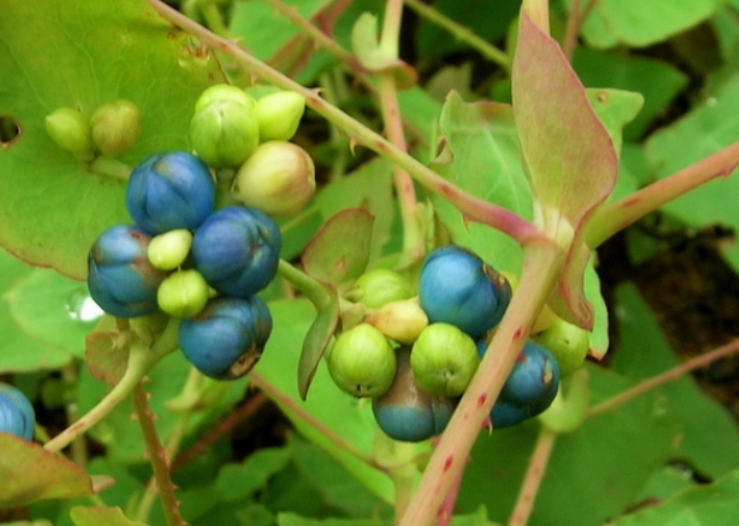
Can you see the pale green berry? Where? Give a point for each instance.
(169, 250)
(400, 320)
(379, 287)
(568, 343)
(183, 294)
(70, 130)
(224, 130)
(279, 115)
(444, 360)
(116, 127)
(279, 179)
(362, 362)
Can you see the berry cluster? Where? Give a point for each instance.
(185, 257)
(416, 352)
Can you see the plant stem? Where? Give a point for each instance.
(541, 266)
(289, 405)
(614, 217)
(412, 238)
(79, 444)
(312, 289)
(673, 374)
(472, 207)
(463, 34)
(157, 457)
(574, 23)
(532, 479)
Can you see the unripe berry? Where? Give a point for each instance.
(170, 191)
(378, 287)
(457, 287)
(362, 362)
(237, 250)
(279, 115)
(183, 294)
(227, 338)
(120, 277)
(70, 130)
(407, 412)
(224, 130)
(116, 127)
(17, 416)
(444, 360)
(401, 320)
(169, 250)
(279, 178)
(568, 343)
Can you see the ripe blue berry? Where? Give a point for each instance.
(408, 413)
(17, 416)
(120, 277)
(457, 287)
(237, 250)
(169, 191)
(227, 338)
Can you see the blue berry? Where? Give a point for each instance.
(458, 288)
(226, 339)
(237, 250)
(408, 413)
(17, 416)
(169, 191)
(120, 277)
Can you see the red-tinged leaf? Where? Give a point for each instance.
(340, 249)
(95, 516)
(106, 355)
(316, 342)
(29, 473)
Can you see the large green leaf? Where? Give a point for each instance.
(84, 54)
(705, 130)
(715, 504)
(94, 516)
(639, 24)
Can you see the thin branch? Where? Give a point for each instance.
(534, 475)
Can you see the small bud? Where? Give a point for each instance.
(362, 362)
(444, 360)
(116, 127)
(169, 250)
(224, 130)
(279, 178)
(183, 294)
(70, 130)
(379, 287)
(279, 115)
(401, 320)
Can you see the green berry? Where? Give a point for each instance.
(183, 294)
(568, 343)
(116, 127)
(362, 362)
(444, 360)
(169, 250)
(279, 115)
(70, 130)
(401, 320)
(378, 287)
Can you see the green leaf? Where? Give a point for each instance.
(710, 441)
(340, 249)
(615, 108)
(715, 504)
(238, 481)
(316, 342)
(703, 131)
(19, 350)
(84, 54)
(30, 473)
(637, 23)
(94, 516)
(658, 82)
(43, 305)
(292, 519)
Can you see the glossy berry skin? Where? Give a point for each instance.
(530, 388)
(226, 339)
(237, 250)
(17, 416)
(408, 413)
(458, 288)
(170, 191)
(120, 277)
